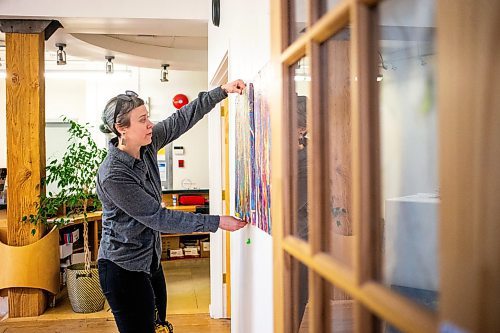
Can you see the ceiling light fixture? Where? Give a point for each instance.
(61, 54)
(383, 65)
(109, 64)
(164, 73)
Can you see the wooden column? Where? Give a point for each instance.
(25, 142)
(25, 152)
(469, 154)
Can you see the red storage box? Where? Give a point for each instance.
(191, 200)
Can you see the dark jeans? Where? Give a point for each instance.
(133, 296)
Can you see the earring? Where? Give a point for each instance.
(124, 142)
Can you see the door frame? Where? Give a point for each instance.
(220, 291)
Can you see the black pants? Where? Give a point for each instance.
(133, 296)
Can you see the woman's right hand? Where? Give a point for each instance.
(234, 87)
(230, 223)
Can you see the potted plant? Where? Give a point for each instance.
(74, 174)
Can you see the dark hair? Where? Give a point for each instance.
(122, 115)
(301, 111)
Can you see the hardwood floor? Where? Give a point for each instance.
(189, 323)
(188, 284)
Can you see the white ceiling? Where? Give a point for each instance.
(142, 42)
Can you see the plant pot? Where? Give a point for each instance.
(84, 290)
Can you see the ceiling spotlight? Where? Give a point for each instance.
(164, 73)
(61, 54)
(380, 77)
(109, 64)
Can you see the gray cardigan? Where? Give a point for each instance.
(130, 192)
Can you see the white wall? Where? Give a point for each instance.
(244, 33)
(195, 141)
(83, 99)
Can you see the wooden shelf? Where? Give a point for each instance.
(185, 258)
(183, 208)
(78, 219)
(190, 234)
(80, 248)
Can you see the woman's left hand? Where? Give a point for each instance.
(234, 87)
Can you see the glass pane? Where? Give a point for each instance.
(336, 104)
(299, 296)
(409, 149)
(326, 5)
(300, 136)
(297, 11)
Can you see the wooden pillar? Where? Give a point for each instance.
(469, 158)
(25, 142)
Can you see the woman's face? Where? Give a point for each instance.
(140, 130)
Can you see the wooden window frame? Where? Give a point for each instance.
(469, 163)
(362, 282)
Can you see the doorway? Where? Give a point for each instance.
(220, 268)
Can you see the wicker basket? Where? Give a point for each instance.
(84, 291)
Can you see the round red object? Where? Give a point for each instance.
(180, 100)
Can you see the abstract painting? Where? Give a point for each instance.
(253, 149)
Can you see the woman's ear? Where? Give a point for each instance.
(120, 129)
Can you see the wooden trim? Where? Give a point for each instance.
(282, 19)
(319, 316)
(314, 11)
(328, 25)
(401, 312)
(316, 189)
(278, 155)
(316, 155)
(290, 128)
(289, 152)
(228, 274)
(295, 51)
(364, 320)
(322, 263)
(227, 199)
(469, 150)
(365, 144)
(25, 95)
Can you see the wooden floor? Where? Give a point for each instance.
(189, 323)
(188, 284)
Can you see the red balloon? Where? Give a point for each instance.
(180, 100)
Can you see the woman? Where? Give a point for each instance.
(129, 187)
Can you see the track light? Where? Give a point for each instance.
(61, 54)
(109, 64)
(164, 73)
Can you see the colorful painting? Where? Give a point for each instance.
(244, 176)
(253, 143)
